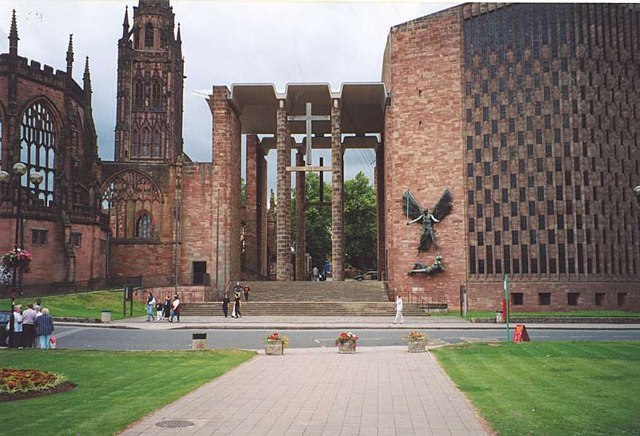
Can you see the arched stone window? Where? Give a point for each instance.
(127, 197)
(135, 142)
(146, 142)
(143, 227)
(138, 94)
(156, 147)
(156, 95)
(37, 149)
(148, 35)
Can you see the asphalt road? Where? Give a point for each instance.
(124, 339)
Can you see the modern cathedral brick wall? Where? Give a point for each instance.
(529, 112)
(423, 151)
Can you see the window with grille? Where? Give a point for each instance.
(39, 236)
(143, 227)
(75, 239)
(37, 150)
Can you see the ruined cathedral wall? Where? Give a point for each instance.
(424, 151)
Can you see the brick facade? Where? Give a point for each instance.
(528, 113)
(46, 123)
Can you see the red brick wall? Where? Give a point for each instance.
(198, 220)
(226, 157)
(424, 150)
(490, 295)
(153, 261)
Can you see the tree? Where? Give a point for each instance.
(318, 220)
(360, 223)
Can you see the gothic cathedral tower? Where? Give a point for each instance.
(150, 86)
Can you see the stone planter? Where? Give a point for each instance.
(273, 347)
(417, 346)
(347, 348)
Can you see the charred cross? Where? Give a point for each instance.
(308, 118)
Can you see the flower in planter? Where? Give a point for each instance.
(416, 336)
(276, 337)
(348, 337)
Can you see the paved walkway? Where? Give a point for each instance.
(377, 391)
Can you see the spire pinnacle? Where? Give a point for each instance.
(87, 76)
(13, 35)
(70, 55)
(125, 23)
(178, 36)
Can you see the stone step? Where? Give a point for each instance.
(291, 308)
(329, 291)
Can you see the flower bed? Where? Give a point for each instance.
(18, 384)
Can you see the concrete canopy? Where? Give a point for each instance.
(363, 106)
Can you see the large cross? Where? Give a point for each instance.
(308, 118)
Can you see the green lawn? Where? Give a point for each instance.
(114, 388)
(550, 388)
(570, 313)
(82, 305)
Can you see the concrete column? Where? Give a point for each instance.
(337, 196)
(301, 224)
(283, 230)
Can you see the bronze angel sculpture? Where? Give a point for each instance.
(415, 214)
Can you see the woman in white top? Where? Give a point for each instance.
(15, 337)
(399, 318)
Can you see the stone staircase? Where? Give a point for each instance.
(348, 298)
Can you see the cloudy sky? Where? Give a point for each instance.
(223, 43)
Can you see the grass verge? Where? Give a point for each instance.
(552, 388)
(114, 388)
(82, 305)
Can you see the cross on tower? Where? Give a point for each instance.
(308, 118)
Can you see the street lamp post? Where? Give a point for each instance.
(19, 170)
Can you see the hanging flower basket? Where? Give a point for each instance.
(17, 259)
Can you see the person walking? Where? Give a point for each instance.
(159, 309)
(176, 308)
(236, 307)
(399, 319)
(44, 329)
(315, 273)
(225, 304)
(29, 326)
(166, 308)
(151, 307)
(15, 336)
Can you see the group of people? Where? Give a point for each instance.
(31, 328)
(157, 310)
(318, 275)
(238, 290)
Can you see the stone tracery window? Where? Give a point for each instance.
(156, 146)
(156, 95)
(37, 149)
(127, 197)
(138, 94)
